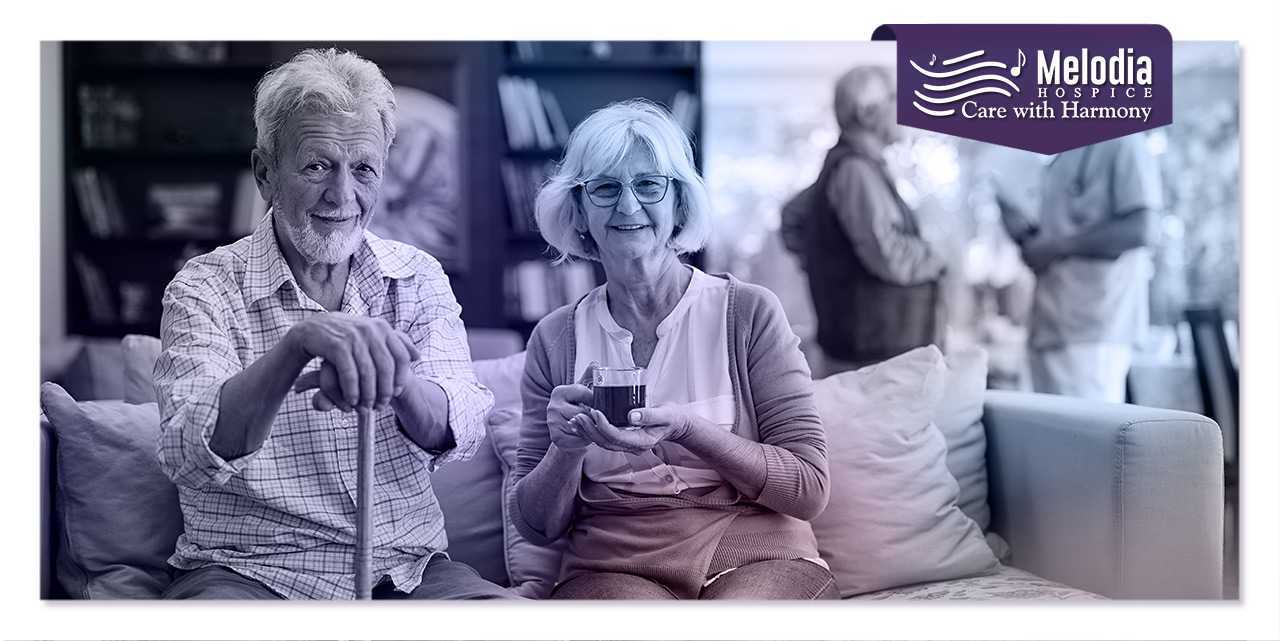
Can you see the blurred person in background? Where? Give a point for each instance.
(1088, 251)
(875, 280)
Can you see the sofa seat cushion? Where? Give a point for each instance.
(1009, 583)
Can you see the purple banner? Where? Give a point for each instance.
(1043, 88)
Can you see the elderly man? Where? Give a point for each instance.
(265, 466)
(875, 280)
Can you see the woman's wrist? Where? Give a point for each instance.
(689, 431)
(570, 453)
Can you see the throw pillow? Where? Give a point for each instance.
(470, 495)
(892, 519)
(119, 512)
(502, 376)
(140, 354)
(533, 568)
(471, 492)
(959, 417)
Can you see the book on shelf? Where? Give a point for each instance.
(98, 202)
(536, 287)
(559, 126)
(97, 293)
(684, 108)
(135, 302)
(537, 113)
(110, 117)
(248, 207)
(522, 179)
(527, 50)
(185, 210)
(512, 116)
(532, 117)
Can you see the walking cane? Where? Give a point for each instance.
(364, 504)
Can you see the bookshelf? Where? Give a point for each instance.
(157, 154)
(156, 151)
(544, 90)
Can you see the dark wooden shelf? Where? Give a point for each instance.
(535, 154)
(170, 71)
(90, 328)
(629, 66)
(111, 156)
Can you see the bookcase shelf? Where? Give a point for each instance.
(88, 157)
(604, 66)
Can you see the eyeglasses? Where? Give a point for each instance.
(605, 192)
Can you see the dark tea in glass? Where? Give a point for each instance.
(616, 391)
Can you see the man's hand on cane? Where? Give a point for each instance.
(366, 362)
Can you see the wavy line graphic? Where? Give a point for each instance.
(969, 81)
(972, 54)
(963, 78)
(931, 112)
(962, 96)
(957, 72)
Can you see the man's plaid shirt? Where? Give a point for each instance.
(285, 514)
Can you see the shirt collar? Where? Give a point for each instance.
(266, 271)
(864, 142)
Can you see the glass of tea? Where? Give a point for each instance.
(615, 391)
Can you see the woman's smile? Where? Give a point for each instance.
(629, 227)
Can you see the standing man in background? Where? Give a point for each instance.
(1088, 251)
(875, 280)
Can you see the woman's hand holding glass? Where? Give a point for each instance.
(568, 402)
(649, 427)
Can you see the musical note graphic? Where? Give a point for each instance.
(1017, 69)
(933, 59)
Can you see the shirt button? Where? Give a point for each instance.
(668, 478)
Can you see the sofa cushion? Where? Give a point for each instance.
(470, 495)
(97, 371)
(1007, 583)
(140, 354)
(959, 418)
(533, 569)
(119, 513)
(892, 518)
(471, 492)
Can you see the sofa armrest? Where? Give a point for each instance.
(1121, 500)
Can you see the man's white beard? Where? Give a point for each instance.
(325, 249)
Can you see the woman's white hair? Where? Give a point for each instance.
(326, 80)
(597, 146)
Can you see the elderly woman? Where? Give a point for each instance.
(707, 493)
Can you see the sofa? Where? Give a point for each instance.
(1086, 500)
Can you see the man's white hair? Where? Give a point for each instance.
(325, 80)
(850, 94)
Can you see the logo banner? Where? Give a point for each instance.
(1042, 88)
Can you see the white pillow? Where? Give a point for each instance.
(140, 354)
(892, 519)
(959, 417)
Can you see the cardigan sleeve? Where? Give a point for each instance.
(797, 480)
(535, 393)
